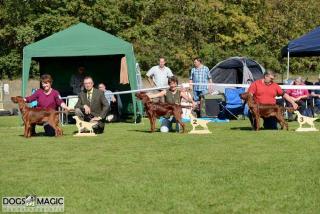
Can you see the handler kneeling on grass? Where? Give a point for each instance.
(92, 105)
(171, 96)
(265, 91)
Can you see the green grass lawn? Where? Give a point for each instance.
(129, 170)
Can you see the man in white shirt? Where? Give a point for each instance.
(158, 75)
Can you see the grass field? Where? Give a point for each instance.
(129, 170)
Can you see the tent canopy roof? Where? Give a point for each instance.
(236, 62)
(78, 40)
(306, 45)
(236, 70)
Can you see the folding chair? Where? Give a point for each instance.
(234, 104)
(71, 101)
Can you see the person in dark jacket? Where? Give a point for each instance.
(92, 105)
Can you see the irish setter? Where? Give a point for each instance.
(155, 110)
(33, 116)
(264, 111)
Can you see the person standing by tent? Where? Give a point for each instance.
(76, 81)
(265, 91)
(158, 75)
(199, 74)
(92, 105)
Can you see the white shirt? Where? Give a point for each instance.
(160, 75)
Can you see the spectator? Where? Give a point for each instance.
(107, 93)
(92, 105)
(47, 98)
(265, 91)
(199, 74)
(171, 96)
(185, 104)
(158, 75)
(113, 113)
(299, 96)
(316, 95)
(76, 81)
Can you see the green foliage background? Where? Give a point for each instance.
(176, 29)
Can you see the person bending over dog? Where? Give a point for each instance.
(92, 105)
(47, 98)
(264, 91)
(171, 96)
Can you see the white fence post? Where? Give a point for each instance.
(1, 96)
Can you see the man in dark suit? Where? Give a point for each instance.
(92, 105)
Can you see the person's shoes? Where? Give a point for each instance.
(97, 130)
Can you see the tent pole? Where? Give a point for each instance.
(288, 64)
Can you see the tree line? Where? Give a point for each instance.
(178, 30)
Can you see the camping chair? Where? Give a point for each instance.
(234, 105)
(71, 101)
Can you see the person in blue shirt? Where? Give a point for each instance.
(107, 93)
(200, 74)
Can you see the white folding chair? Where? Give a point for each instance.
(71, 101)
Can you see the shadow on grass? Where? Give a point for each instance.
(242, 128)
(144, 131)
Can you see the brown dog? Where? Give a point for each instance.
(264, 111)
(32, 116)
(155, 110)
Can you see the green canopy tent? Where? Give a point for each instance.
(61, 53)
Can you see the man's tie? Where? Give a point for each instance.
(89, 97)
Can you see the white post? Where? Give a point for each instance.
(1, 96)
(288, 64)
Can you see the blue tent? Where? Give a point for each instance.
(305, 46)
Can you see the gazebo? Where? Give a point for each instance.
(103, 55)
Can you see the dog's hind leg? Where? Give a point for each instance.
(181, 124)
(178, 119)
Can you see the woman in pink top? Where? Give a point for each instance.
(47, 98)
(300, 96)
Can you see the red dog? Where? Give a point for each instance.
(264, 111)
(155, 110)
(32, 116)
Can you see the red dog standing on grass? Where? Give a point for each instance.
(155, 110)
(32, 117)
(45, 114)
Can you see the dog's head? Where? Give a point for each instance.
(244, 96)
(17, 99)
(142, 96)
